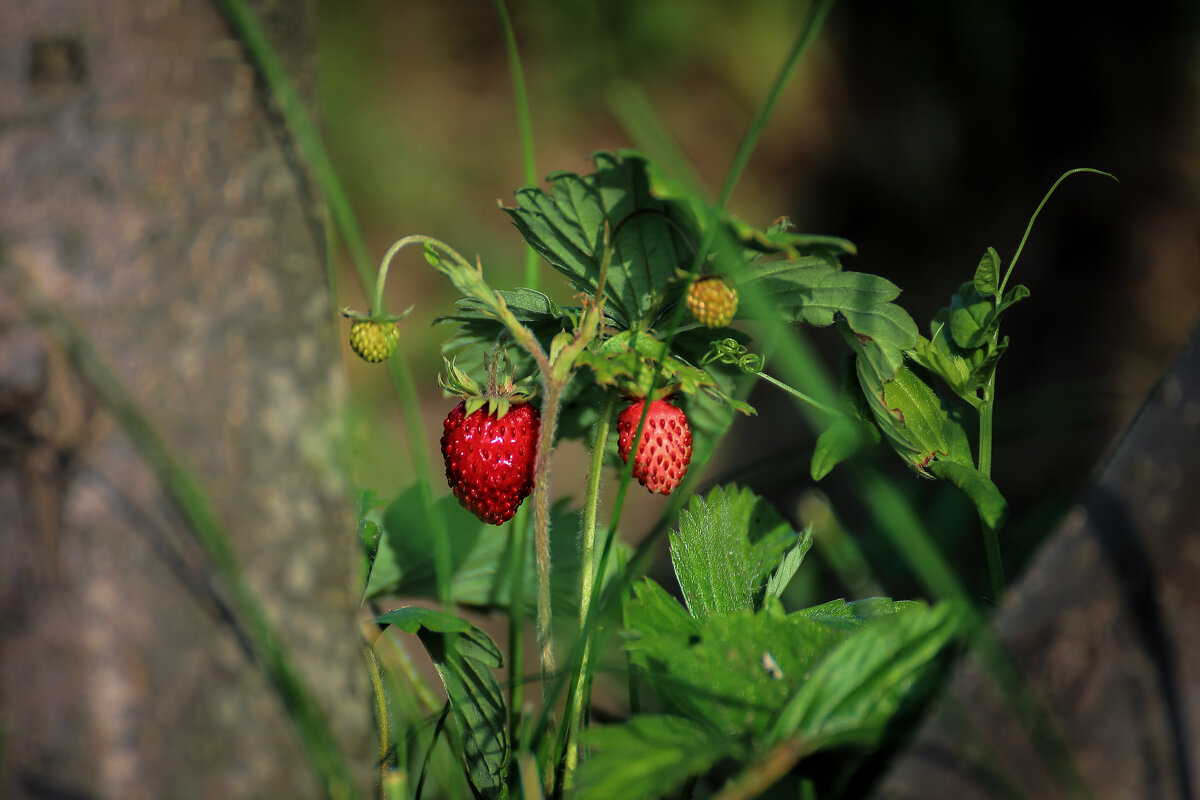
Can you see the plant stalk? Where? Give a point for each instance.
(587, 580)
(552, 390)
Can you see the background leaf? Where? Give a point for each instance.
(465, 657)
(480, 555)
(649, 756)
(993, 508)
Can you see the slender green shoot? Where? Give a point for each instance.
(524, 125)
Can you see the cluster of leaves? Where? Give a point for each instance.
(736, 675)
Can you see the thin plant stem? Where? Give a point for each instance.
(991, 542)
(381, 711)
(524, 125)
(519, 531)
(587, 579)
(762, 774)
(551, 401)
(801, 396)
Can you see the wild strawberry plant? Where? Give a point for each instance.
(734, 678)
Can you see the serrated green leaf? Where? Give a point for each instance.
(726, 547)
(971, 315)
(993, 509)
(566, 226)
(987, 274)
(464, 657)
(732, 670)
(649, 756)
(791, 562)
(855, 690)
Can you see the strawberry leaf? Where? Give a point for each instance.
(566, 225)
(856, 689)
(726, 547)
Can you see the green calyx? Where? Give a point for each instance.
(500, 395)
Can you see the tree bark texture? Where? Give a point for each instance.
(1106, 625)
(148, 193)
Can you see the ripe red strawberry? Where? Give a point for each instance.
(666, 446)
(712, 301)
(489, 458)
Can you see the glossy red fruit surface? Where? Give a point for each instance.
(489, 460)
(666, 446)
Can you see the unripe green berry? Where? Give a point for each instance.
(374, 341)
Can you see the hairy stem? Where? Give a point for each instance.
(381, 711)
(551, 401)
(519, 531)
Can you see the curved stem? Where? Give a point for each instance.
(1038, 210)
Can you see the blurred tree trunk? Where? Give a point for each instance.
(1105, 625)
(147, 192)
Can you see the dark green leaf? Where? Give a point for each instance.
(726, 547)
(987, 274)
(1013, 296)
(978, 487)
(566, 225)
(970, 317)
(815, 289)
(411, 619)
(649, 756)
(852, 693)
(787, 568)
(982, 373)
(842, 439)
(465, 657)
